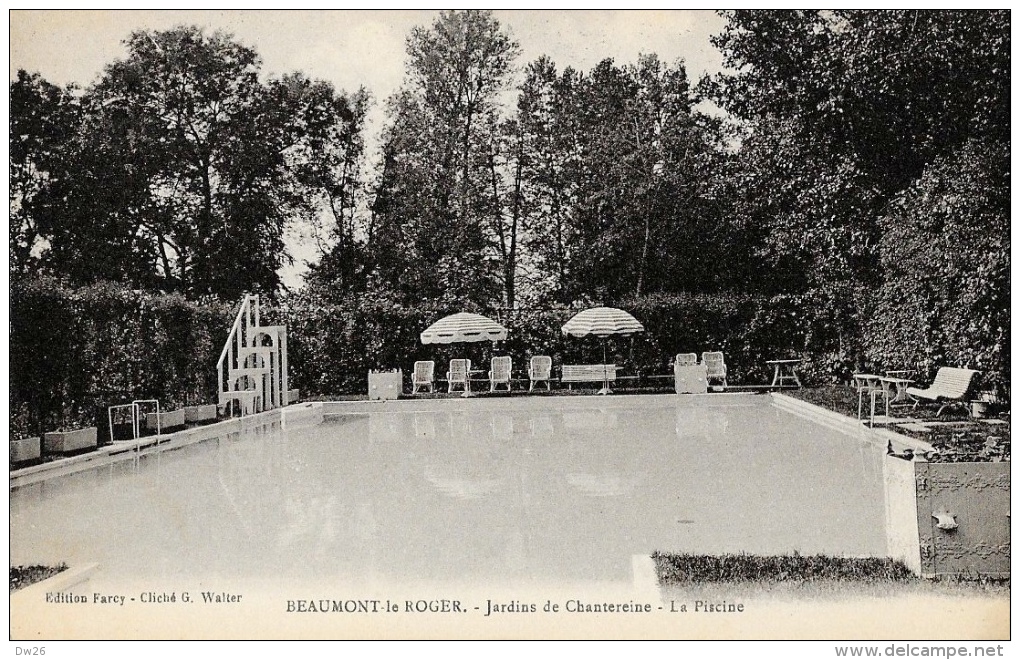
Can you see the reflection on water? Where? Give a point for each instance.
(601, 485)
(502, 427)
(462, 486)
(424, 426)
(524, 492)
(541, 426)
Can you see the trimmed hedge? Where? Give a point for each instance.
(79, 350)
(689, 568)
(331, 348)
(26, 576)
(75, 351)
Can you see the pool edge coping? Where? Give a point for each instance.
(902, 533)
(845, 423)
(124, 450)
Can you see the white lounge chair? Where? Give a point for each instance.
(540, 370)
(424, 376)
(951, 385)
(500, 372)
(459, 374)
(716, 365)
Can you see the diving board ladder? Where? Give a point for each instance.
(252, 369)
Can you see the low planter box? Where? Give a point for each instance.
(981, 408)
(26, 449)
(167, 420)
(64, 442)
(385, 384)
(203, 413)
(293, 396)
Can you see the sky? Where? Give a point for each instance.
(355, 48)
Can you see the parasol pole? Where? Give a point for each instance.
(605, 369)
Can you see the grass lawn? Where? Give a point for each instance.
(23, 576)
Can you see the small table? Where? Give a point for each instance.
(901, 378)
(785, 370)
(470, 377)
(900, 384)
(872, 385)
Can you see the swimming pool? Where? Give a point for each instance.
(525, 490)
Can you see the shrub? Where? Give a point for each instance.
(946, 255)
(688, 568)
(76, 351)
(331, 347)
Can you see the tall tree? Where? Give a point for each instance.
(197, 120)
(43, 119)
(325, 157)
(435, 200)
(619, 174)
(74, 209)
(547, 119)
(179, 168)
(894, 88)
(843, 111)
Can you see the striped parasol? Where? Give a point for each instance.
(463, 327)
(602, 322)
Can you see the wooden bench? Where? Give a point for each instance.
(587, 373)
(951, 385)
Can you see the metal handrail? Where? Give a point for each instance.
(232, 335)
(159, 430)
(134, 418)
(239, 338)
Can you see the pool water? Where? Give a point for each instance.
(518, 490)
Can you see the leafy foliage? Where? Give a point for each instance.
(179, 168)
(846, 117)
(946, 255)
(83, 349)
(43, 118)
(852, 209)
(435, 200)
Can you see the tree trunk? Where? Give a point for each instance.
(511, 266)
(561, 256)
(644, 254)
(466, 165)
(202, 270)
